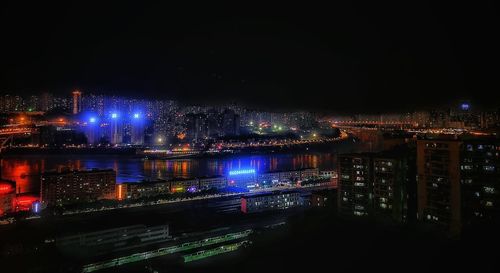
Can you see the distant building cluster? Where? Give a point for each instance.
(461, 115)
(113, 120)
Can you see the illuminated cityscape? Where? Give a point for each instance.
(152, 137)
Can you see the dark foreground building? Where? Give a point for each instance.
(458, 181)
(380, 185)
(270, 201)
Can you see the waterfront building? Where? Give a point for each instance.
(136, 190)
(212, 182)
(7, 196)
(77, 186)
(244, 178)
(290, 176)
(184, 185)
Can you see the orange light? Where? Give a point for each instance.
(120, 196)
(181, 136)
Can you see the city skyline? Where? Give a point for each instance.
(161, 137)
(353, 58)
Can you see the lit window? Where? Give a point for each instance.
(489, 189)
(489, 168)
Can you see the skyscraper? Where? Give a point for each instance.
(378, 184)
(458, 181)
(77, 102)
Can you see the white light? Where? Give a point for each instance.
(114, 115)
(136, 115)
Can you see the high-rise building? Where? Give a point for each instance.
(394, 186)
(458, 181)
(33, 104)
(77, 102)
(380, 185)
(355, 189)
(230, 123)
(46, 102)
(196, 127)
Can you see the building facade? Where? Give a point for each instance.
(458, 181)
(77, 186)
(270, 201)
(7, 196)
(380, 185)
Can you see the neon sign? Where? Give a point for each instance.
(244, 171)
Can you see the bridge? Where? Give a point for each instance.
(373, 124)
(7, 134)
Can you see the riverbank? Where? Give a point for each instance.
(344, 145)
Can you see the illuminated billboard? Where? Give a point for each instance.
(244, 171)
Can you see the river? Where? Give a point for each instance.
(26, 169)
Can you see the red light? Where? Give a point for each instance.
(25, 202)
(5, 188)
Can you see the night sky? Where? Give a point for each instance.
(344, 59)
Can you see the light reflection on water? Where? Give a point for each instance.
(25, 170)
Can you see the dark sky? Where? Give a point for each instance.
(349, 58)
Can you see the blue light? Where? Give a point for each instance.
(244, 171)
(114, 115)
(136, 115)
(465, 106)
(36, 207)
(92, 120)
